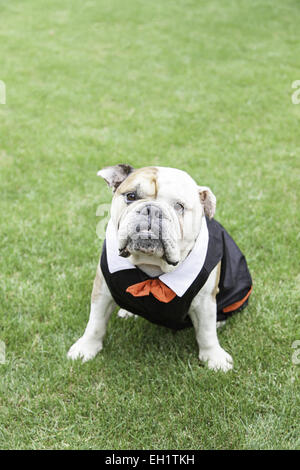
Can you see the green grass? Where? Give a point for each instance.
(204, 86)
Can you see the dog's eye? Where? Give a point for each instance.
(130, 197)
(179, 207)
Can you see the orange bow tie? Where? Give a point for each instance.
(160, 291)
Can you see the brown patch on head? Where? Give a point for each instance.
(145, 177)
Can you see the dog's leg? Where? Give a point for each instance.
(203, 313)
(102, 306)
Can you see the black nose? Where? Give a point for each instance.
(153, 216)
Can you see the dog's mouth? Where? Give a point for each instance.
(149, 246)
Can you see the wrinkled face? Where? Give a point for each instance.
(157, 213)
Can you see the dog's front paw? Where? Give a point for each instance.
(84, 349)
(216, 358)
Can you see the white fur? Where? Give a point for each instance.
(122, 313)
(203, 313)
(90, 343)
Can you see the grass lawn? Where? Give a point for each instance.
(204, 86)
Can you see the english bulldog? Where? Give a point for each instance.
(167, 259)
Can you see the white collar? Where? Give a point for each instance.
(178, 280)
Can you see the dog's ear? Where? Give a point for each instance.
(208, 201)
(115, 175)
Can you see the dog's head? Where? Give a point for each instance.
(157, 213)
